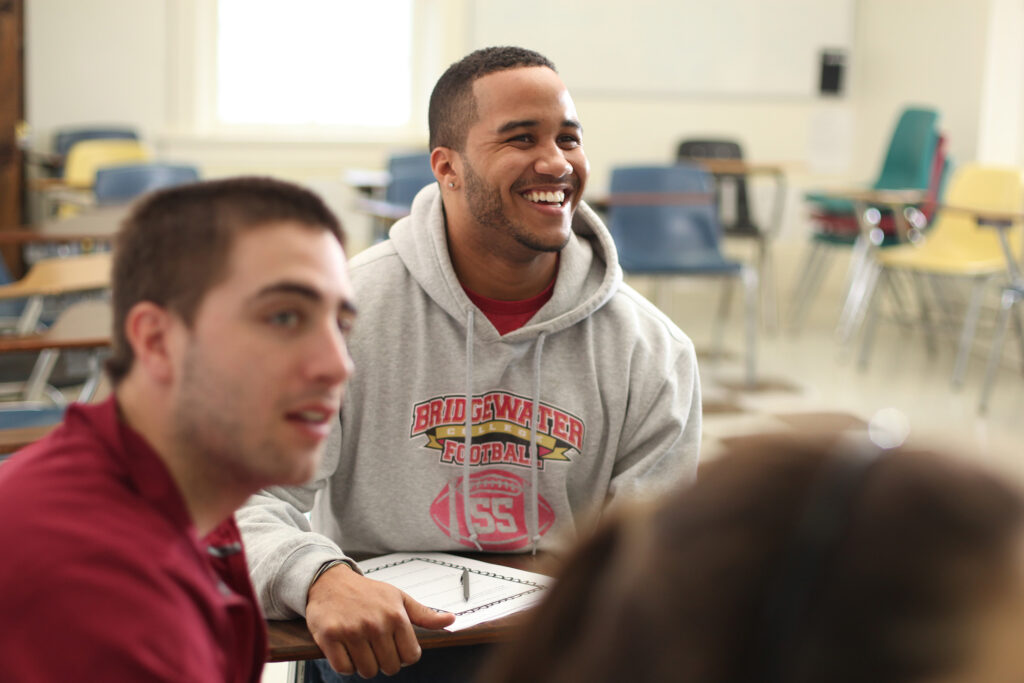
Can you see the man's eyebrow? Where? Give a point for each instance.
(302, 290)
(532, 123)
(512, 125)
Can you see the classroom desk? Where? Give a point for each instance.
(98, 224)
(725, 168)
(1013, 289)
(863, 272)
(291, 641)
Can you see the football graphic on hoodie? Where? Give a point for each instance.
(497, 510)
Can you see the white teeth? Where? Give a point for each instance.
(312, 416)
(548, 197)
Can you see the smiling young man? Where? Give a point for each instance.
(122, 559)
(510, 383)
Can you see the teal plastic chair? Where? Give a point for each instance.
(915, 160)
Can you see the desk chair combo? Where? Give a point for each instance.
(78, 326)
(956, 247)
(123, 183)
(664, 222)
(734, 206)
(52, 163)
(30, 409)
(915, 160)
(407, 174)
(74, 189)
(1013, 292)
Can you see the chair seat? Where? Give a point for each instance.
(828, 204)
(848, 238)
(940, 261)
(19, 416)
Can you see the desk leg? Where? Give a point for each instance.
(297, 671)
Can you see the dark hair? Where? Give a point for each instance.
(452, 105)
(174, 246)
(677, 591)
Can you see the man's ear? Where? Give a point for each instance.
(445, 163)
(150, 332)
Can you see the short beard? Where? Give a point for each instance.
(486, 209)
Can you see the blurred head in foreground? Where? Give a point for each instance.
(795, 561)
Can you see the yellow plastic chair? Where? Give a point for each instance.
(957, 247)
(85, 157)
(83, 160)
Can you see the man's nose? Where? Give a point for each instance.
(330, 361)
(552, 162)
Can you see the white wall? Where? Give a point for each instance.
(931, 52)
(101, 61)
(122, 60)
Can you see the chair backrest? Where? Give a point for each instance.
(86, 157)
(976, 186)
(662, 217)
(410, 173)
(691, 149)
(117, 184)
(64, 139)
(909, 159)
(85, 319)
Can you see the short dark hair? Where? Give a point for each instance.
(452, 105)
(677, 590)
(174, 246)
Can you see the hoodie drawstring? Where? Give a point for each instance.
(533, 510)
(473, 536)
(533, 519)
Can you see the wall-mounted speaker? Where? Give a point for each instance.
(833, 64)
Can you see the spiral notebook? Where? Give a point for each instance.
(438, 581)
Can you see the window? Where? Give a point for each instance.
(332, 63)
(305, 70)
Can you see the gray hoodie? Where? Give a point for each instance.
(613, 380)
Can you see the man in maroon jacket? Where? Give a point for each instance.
(121, 557)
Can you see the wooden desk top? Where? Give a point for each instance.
(19, 437)
(100, 223)
(291, 640)
(991, 217)
(884, 197)
(736, 166)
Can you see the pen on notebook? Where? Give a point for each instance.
(464, 580)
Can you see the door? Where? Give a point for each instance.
(12, 113)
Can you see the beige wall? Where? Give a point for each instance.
(123, 60)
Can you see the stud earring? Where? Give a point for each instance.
(451, 184)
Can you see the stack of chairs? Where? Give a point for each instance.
(954, 247)
(915, 160)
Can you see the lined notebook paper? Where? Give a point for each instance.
(435, 579)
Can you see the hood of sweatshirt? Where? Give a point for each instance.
(588, 275)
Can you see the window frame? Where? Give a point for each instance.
(192, 72)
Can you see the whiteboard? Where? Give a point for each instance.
(674, 47)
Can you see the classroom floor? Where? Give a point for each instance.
(810, 382)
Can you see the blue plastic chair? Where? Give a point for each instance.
(664, 222)
(407, 175)
(410, 173)
(117, 184)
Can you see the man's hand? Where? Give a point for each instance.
(364, 625)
